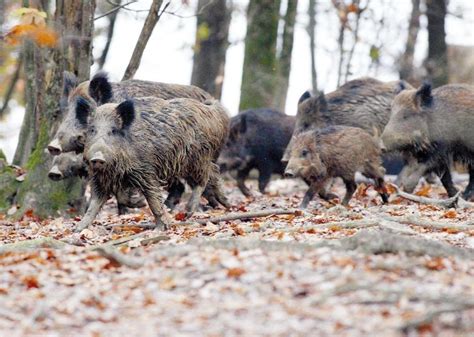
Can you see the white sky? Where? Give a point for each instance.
(168, 56)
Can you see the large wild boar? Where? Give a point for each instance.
(335, 151)
(435, 126)
(363, 103)
(127, 145)
(257, 140)
(69, 165)
(71, 134)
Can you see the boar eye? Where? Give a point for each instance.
(305, 126)
(91, 130)
(304, 153)
(115, 131)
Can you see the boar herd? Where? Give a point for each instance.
(138, 140)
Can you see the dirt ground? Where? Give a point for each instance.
(403, 269)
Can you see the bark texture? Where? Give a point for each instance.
(437, 62)
(406, 61)
(211, 44)
(260, 62)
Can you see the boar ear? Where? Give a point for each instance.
(400, 86)
(69, 83)
(323, 105)
(243, 124)
(100, 88)
(304, 97)
(83, 109)
(423, 97)
(126, 111)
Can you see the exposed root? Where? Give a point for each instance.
(465, 226)
(118, 258)
(26, 245)
(447, 203)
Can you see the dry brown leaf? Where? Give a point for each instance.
(235, 272)
(424, 191)
(31, 281)
(450, 214)
(436, 263)
(180, 216)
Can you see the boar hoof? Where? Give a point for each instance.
(161, 225)
(468, 195)
(81, 226)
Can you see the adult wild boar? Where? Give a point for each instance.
(127, 145)
(363, 103)
(335, 151)
(71, 135)
(435, 126)
(257, 140)
(69, 165)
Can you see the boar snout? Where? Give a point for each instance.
(289, 173)
(97, 160)
(54, 147)
(55, 174)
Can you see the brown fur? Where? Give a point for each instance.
(168, 140)
(337, 151)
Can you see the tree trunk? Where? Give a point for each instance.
(259, 71)
(312, 43)
(150, 22)
(284, 61)
(110, 34)
(437, 62)
(74, 22)
(212, 32)
(406, 62)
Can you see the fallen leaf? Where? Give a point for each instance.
(235, 272)
(450, 214)
(181, 216)
(31, 281)
(436, 263)
(424, 191)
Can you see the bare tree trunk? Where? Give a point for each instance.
(110, 34)
(284, 61)
(259, 71)
(312, 43)
(150, 23)
(406, 62)
(437, 62)
(340, 43)
(358, 13)
(11, 87)
(72, 19)
(212, 33)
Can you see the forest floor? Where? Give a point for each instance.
(403, 269)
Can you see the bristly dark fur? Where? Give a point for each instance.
(100, 88)
(304, 97)
(126, 110)
(82, 110)
(424, 95)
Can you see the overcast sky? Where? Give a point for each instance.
(168, 56)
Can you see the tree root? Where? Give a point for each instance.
(365, 223)
(431, 315)
(242, 216)
(365, 241)
(465, 226)
(26, 245)
(118, 258)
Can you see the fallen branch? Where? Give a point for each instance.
(446, 203)
(26, 245)
(241, 216)
(118, 258)
(431, 315)
(365, 241)
(426, 223)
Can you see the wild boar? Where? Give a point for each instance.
(68, 165)
(257, 140)
(127, 145)
(435, 126)
(336, 151)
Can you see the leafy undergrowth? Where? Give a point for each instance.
(297, 274)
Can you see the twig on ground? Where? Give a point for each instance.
(118, 258)
(447, 203)
(241, 216)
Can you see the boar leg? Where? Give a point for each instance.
(351, 186)
(193, 202)
(264, 176)
(324, 191)
(447, 182)
(309, 195)
(469, 191)
(154, 199)
(213, 192)
(377, 173)
(95, 205)
(241, 176)
(175, 191)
